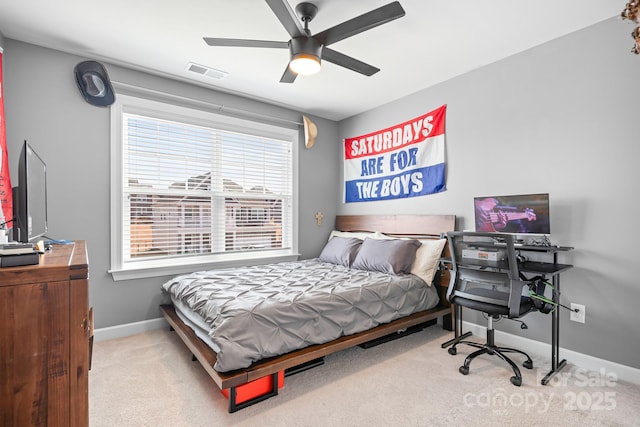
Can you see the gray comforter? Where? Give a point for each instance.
(268, 310)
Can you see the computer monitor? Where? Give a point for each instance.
(515, 214)
(30, 197)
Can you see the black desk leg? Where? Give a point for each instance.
(555, 334)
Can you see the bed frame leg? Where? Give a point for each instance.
(233, 406)
(447, 322)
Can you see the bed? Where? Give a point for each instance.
(249, 325)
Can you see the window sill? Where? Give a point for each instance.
(145, 271)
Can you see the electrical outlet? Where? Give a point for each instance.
(580, 315)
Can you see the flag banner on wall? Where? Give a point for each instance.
(405, 160)
(6, 194)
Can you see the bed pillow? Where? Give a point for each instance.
(388, 256)
(357, 234)
(427, 257)
(340, 250)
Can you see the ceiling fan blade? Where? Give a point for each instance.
(288, 76)
(348, 62)
(287, 17)
(361, 23)
(212, 41)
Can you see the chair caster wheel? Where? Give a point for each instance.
(452, 351)
(464, 370)
(528, 364)
(516, 381)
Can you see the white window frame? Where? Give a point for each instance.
(194, 114)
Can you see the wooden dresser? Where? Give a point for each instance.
(44, 340)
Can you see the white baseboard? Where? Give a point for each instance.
(622, 372)
(127, 329)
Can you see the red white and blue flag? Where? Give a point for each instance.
(6, 194)
(405, 160)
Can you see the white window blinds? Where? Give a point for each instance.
(194, 187)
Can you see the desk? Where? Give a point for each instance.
(548, 270)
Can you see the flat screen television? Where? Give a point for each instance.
(516, 214)
(30, 197)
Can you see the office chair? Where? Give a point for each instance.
(492, 287)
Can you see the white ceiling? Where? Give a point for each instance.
(435, 41)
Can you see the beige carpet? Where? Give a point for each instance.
(150, 380)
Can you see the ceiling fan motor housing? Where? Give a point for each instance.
(305, 45)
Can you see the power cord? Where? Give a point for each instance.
(6, 222)
(534, 294)
(541, 241)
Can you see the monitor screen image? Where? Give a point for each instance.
(518, 214)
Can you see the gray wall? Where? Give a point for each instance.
(44, 106)
(560, 118)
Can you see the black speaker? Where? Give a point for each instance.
(93, 82)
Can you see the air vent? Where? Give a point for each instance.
(206, 71)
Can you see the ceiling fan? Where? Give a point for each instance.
(307, 50)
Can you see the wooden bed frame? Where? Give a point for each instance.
(398, 225)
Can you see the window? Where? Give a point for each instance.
(192, 187)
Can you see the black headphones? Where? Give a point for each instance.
(537, 286)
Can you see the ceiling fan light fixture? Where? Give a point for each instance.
(305, 55)
(305, 64)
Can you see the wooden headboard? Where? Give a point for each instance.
(431, 225)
